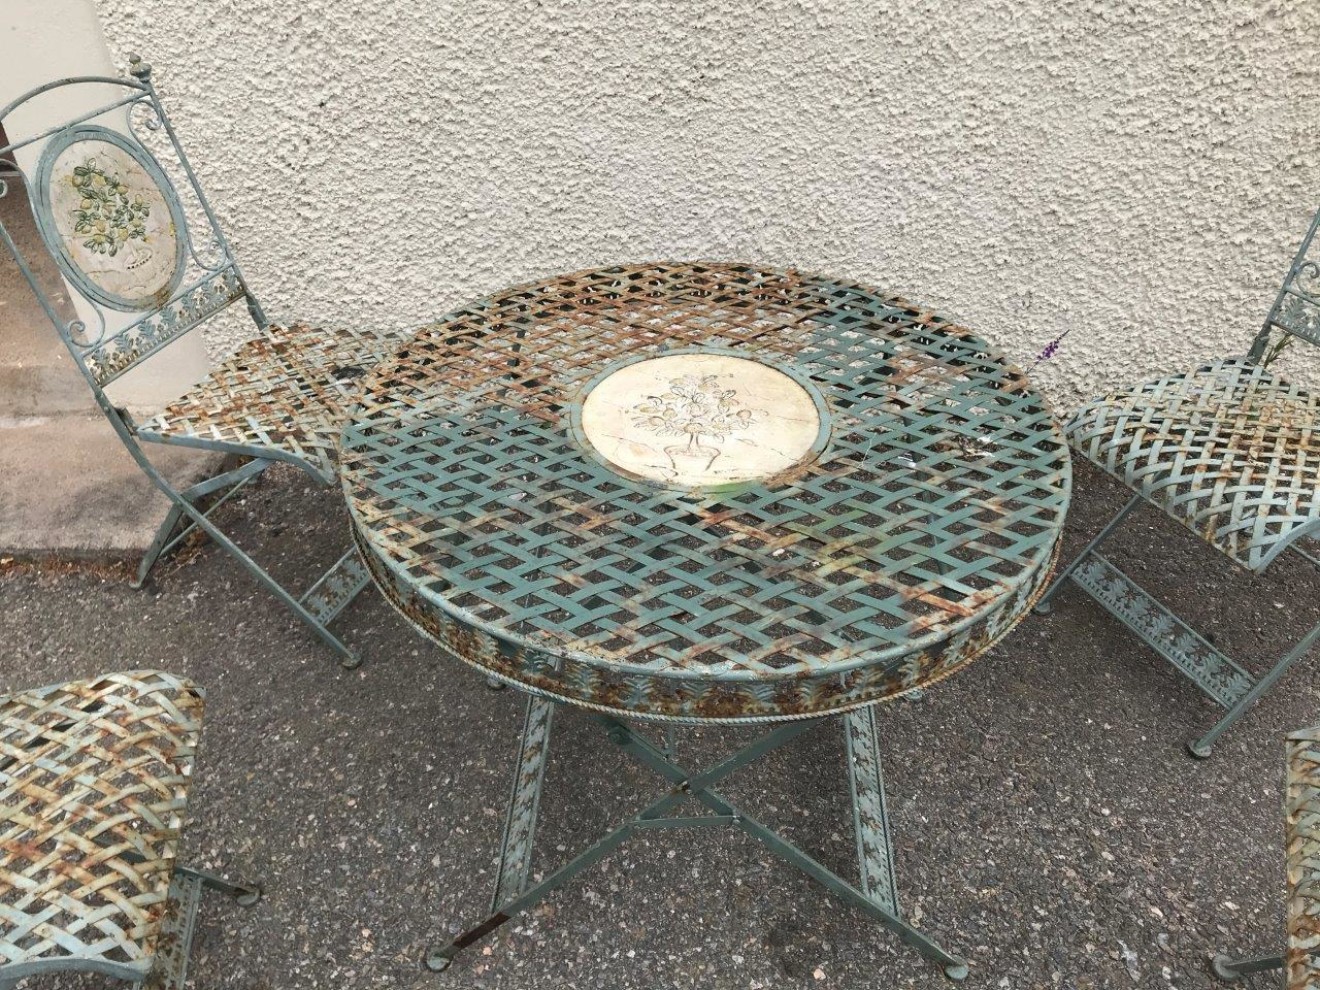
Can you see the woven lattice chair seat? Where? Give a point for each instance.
(285, 395)
(1230, 451)
(93, 788)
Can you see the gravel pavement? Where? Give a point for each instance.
(1048, 825)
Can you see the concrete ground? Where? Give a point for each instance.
(1049, 826)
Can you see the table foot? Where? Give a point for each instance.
(956, 971)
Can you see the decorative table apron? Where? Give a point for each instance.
(705, 493)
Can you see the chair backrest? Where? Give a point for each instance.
(1296, 308)
(1303, 810)
(147, 264)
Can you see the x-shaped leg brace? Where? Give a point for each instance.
(877, 898)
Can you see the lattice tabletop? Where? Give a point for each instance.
(706, 491)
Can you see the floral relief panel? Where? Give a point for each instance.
(111, 223)
(700, 419)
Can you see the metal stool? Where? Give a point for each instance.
(94, 782)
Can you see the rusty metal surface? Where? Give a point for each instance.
(1303, 809)
(1230, 451)
(916, 536)
(285, 394)
(93, 790)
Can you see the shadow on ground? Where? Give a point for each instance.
(1049, 827)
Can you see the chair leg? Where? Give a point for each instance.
(1230, 969)
(166, 539)
(1043, 606)
(153, 553)
(327, 597)
(244, 894)
(349, 657)
(1201, 748)
(337, 587)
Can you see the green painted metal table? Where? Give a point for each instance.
(705, 493)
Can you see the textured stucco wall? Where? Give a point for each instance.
(1138, 171)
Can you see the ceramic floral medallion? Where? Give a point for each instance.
(700, 419)
(112, 227)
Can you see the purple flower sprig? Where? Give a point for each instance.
(1050, 349)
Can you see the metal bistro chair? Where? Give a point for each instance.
(1231, 451)
(148, 273)
(94, 782)
(1302, 807)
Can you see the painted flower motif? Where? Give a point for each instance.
(694, 407)
(106, 213)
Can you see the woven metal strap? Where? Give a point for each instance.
(93, 788)
(1230, 451)
(287, 393)
(908, 544)
(1303, 809)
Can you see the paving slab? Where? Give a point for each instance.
(68, 488)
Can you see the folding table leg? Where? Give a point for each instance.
(523, 806)
(699, 786)
(514, 896)
(875, 849)
(524, 800)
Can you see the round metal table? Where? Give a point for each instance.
(706, 492)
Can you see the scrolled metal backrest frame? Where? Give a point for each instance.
(1296, 309)
(182, 303)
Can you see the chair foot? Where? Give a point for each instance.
(495, 684)
(249, 895)
(1222, 967)
(1199, 750)
(244, 894)
(956, 971)
(439, 960)
(1044, 608)
(350, 660)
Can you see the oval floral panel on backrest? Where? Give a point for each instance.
(110, 217)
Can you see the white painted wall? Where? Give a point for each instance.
(1137, 171)
(41, 41)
